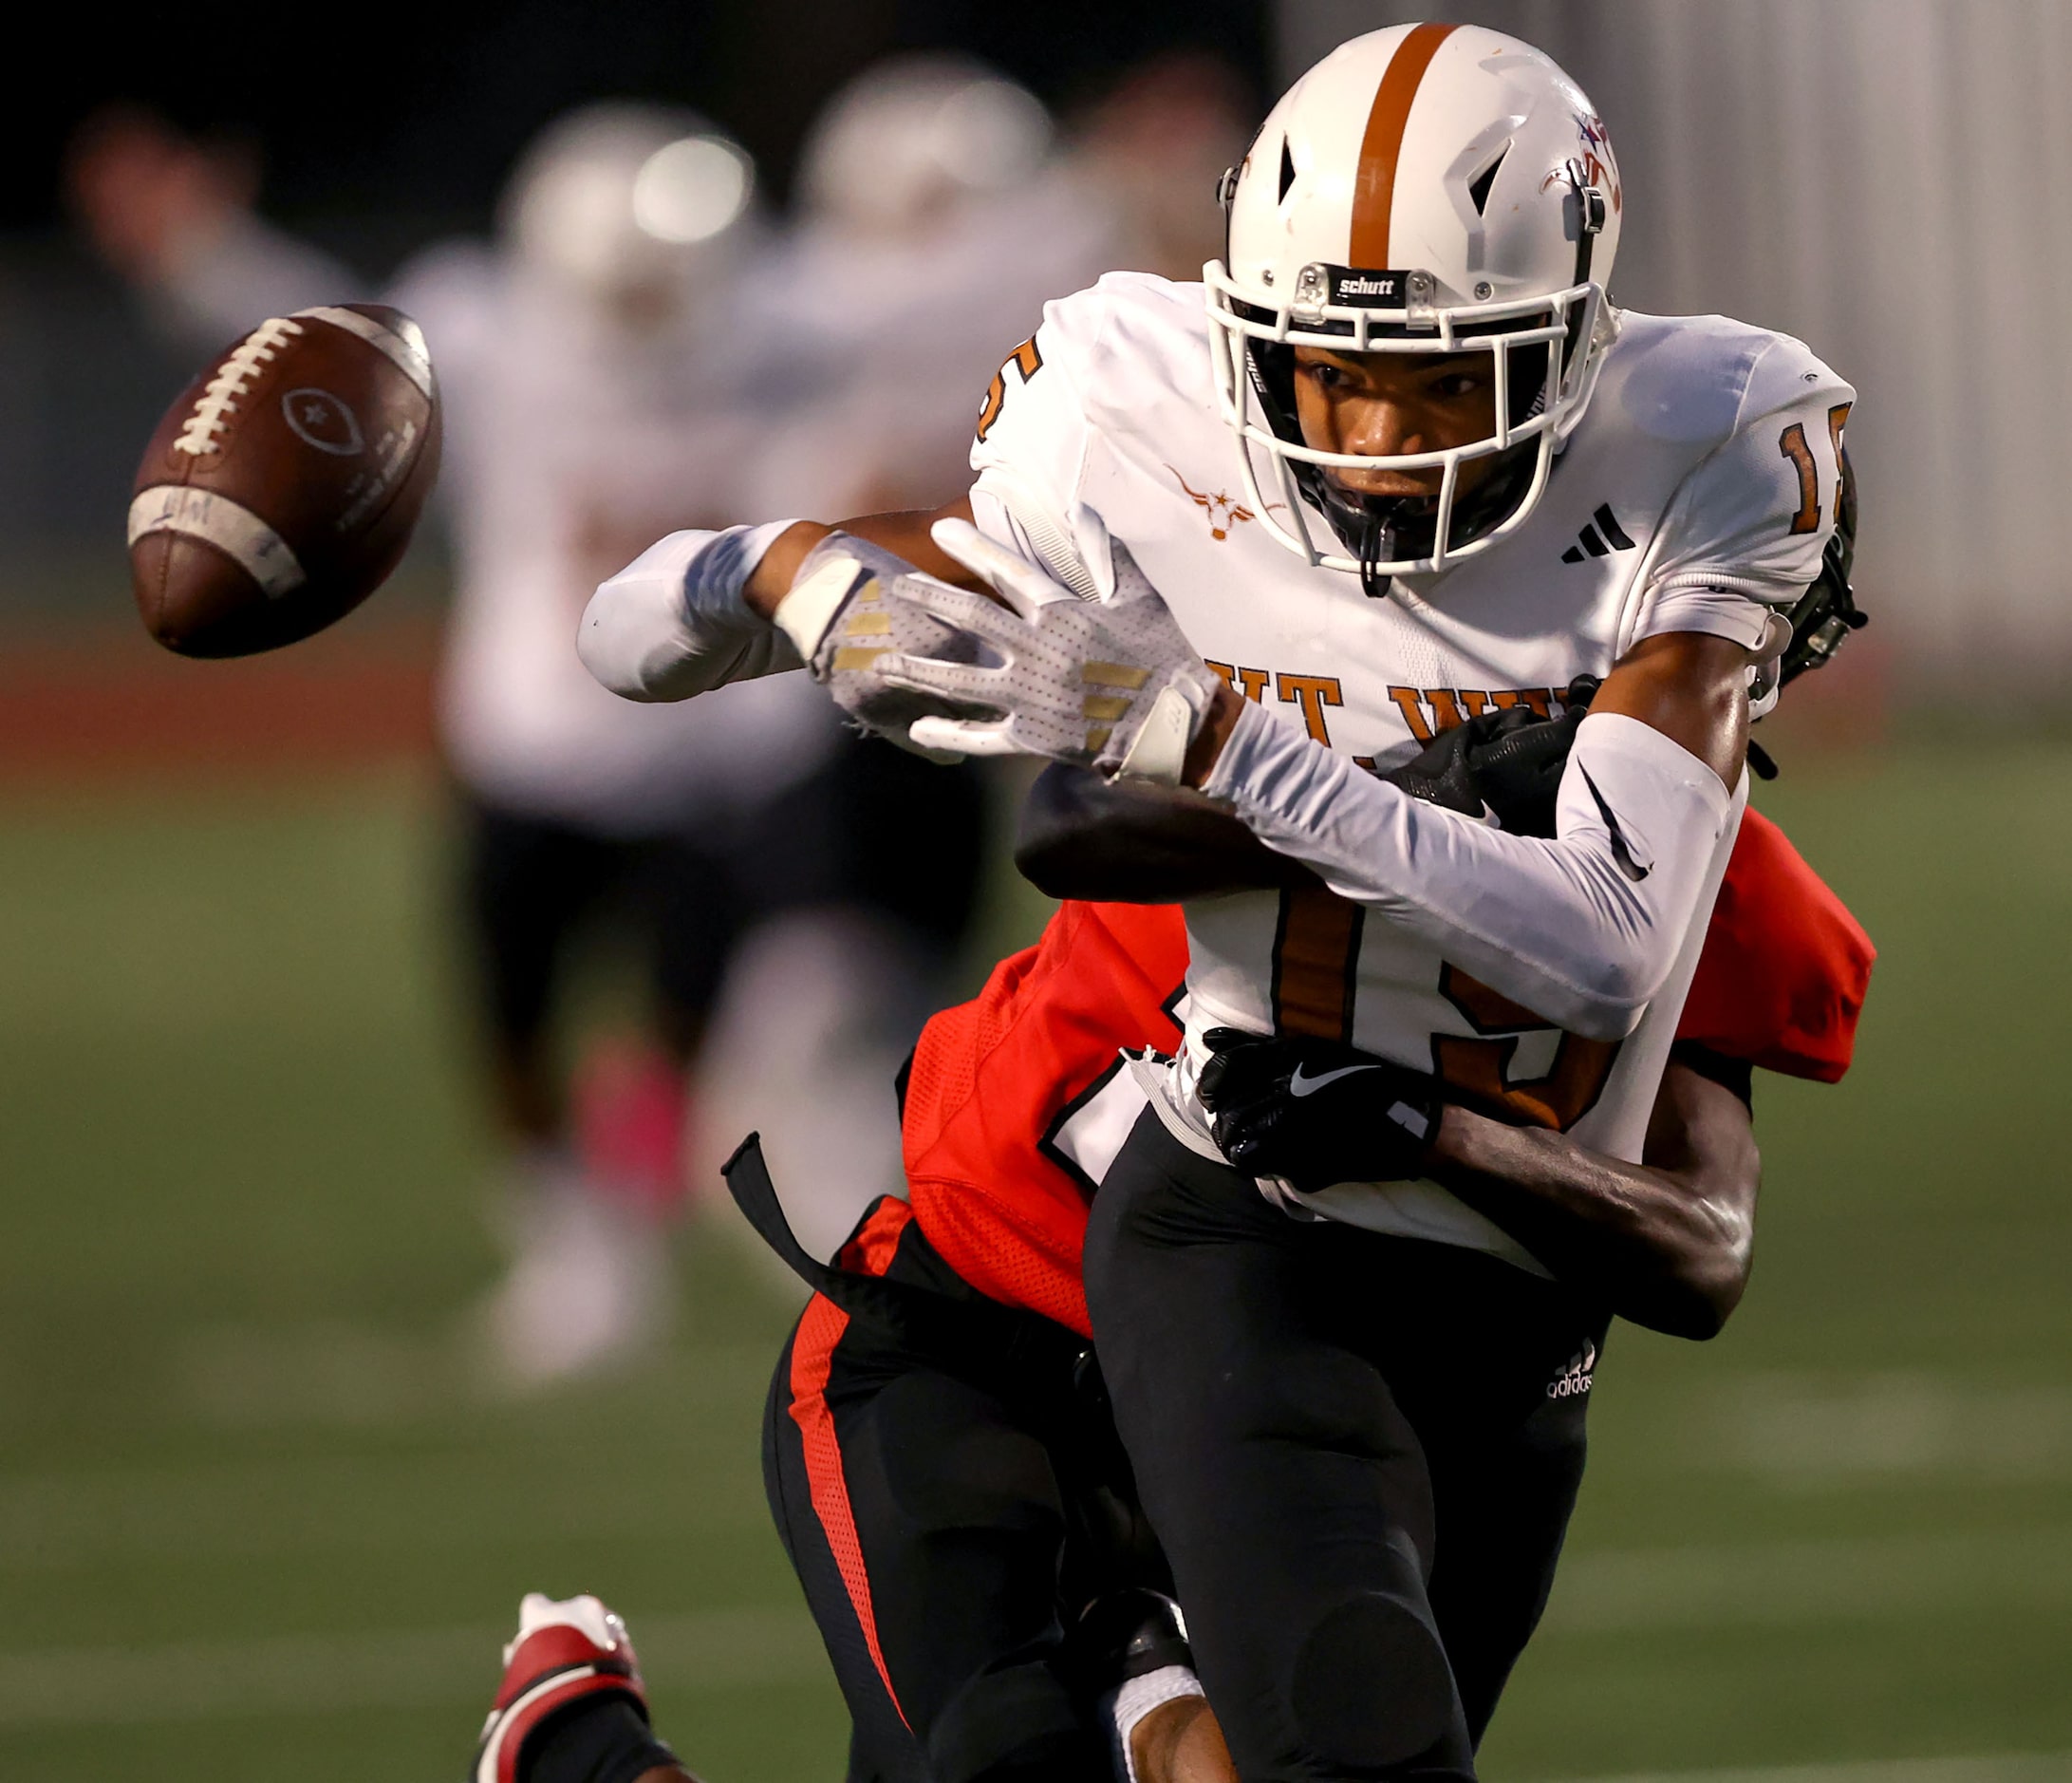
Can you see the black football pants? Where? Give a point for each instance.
(1359, 1452)
(948, 1509)
(846, 835)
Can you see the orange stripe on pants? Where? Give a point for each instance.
(820, 1329)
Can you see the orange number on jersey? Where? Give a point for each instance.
(1024, 358)
(1316, 953)
(1479, 1071)
(1837, 417)
(1793, 446)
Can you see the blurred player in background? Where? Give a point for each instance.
(934, 222)
(637, 333)
(931, 223)
(937, 211)
(593, 373)
(1147, 150)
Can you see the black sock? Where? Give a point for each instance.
(602, 1738)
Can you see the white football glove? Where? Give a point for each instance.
(844, 616)
(1112, 685)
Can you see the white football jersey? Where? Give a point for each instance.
(569, 444)
(1696, 493)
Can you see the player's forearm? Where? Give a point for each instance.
(1582, 928)
(1180, 1742)
(906, 534)
(1665, 1244)
(1129, 842)
(696, 610)
(676, 621)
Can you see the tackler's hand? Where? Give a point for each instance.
(1312, 1112)
(1112, 684)
(1505, 765)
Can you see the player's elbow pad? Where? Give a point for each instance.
(675, 621)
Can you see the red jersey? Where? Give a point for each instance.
(1002, 1193)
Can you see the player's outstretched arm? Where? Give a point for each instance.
(175, 217)
(1584, 928)
(697, 610)
(908, 535)
(1666, 1242)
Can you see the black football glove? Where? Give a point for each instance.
(1316, 1112)
(1509, 761)
(1827, 612)
(1825, 615)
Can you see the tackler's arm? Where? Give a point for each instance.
(1131, 842)
(1665, 1243)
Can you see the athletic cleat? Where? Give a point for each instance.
(562, 1652)
(589, 1291)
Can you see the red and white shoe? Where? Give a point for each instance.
(562, 1652)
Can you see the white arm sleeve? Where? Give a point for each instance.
(1582, 928)
(673, 623)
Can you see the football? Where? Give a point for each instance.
(282, 487)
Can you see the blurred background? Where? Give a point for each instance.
(372, 1016)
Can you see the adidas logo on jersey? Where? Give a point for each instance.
(1599, 540)
(1577, 1376)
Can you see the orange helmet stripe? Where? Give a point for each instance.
(1374, 191)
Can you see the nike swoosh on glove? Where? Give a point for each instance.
(845, 616)
(1109, 685)
(1315, 1112)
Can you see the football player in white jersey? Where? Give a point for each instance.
(1399, 461)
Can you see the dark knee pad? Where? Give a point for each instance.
(1370, 1685)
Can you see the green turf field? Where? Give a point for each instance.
(251, 1525)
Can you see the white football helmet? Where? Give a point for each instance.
(623, 200)
(1424, 189)
(912, 138)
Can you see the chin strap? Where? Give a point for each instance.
(1372, 582)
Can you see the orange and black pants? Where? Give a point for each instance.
(950, 1500)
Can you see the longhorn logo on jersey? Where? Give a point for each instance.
(1223, 511)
